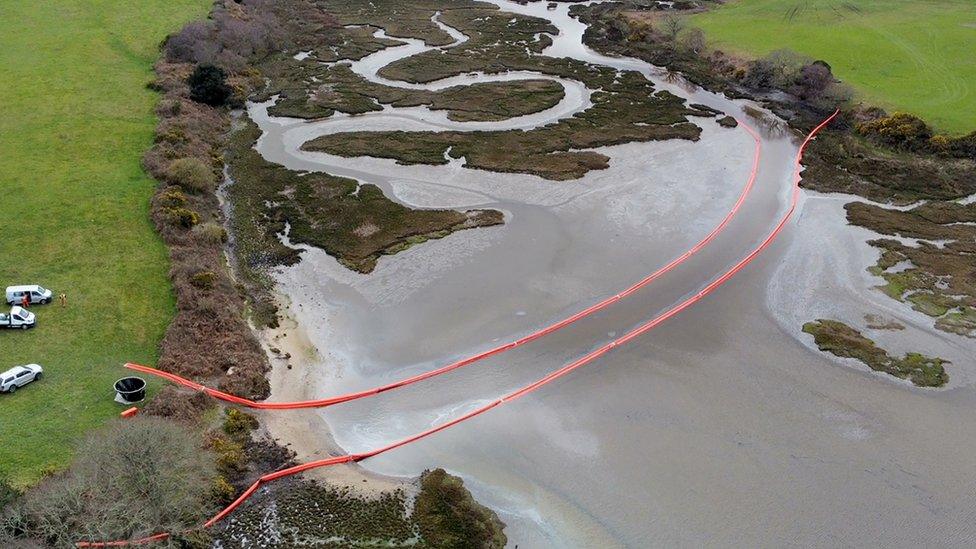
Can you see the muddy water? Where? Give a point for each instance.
(723, 427)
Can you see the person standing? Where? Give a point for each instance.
(63, 299)
(25, 301)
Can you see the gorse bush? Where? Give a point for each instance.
(203, 280)
(901, 130)
(238, 425)
(231, 460)
(172, 197)
(183, 217)
(192, 174)
(208, 85)
(222, 491)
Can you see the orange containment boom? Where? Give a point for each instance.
(322, 403)
(549, 378)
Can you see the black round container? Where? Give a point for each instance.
(131, 389)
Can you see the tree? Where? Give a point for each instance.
(761, 74)
(813, 81)
(134, 478)
(208, 85)
(694, 41)
(673, 25)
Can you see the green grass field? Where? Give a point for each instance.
(910, 55)
(76, 118)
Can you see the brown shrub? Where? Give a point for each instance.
(131, 479)
(192, 174)
(250, 383)
(178, 404)
(209, 335)
(210, 233)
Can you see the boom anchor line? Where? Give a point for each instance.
(497, 350)
(549, 378)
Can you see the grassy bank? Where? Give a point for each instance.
(76, 119)
(909, 55)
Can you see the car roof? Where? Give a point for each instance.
(14, 370)
(17, 309)
(23, 287)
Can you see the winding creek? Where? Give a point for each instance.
(723, 427)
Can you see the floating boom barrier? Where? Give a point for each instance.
(330, 401)
(518, 393)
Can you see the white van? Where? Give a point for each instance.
(15, 294)
(17, 318)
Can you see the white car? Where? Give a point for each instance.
(18, 376)
(37, 294)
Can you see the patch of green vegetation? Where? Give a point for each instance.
(624, 111)
(406, 18)
(848, 163)
(941, 280)
(899, 54)
(352, 222)
(448, 516)
(77, 117)
(308, 513)
(962, 322)
(311, 90)
(627, 107)
(931, 304)
(841, 340)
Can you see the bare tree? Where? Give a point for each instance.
(812, 82)
(694, 41)
(673, 25)
(132, 479)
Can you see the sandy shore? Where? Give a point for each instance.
(305, 431)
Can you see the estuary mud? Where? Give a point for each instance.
(726, 424)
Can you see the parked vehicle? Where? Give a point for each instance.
(15, 294)
(18, 376)
(18, 317)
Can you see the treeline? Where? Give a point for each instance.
(799, 88)
(662, 36)
(239, 33)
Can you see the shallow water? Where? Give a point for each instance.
(722, 427)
